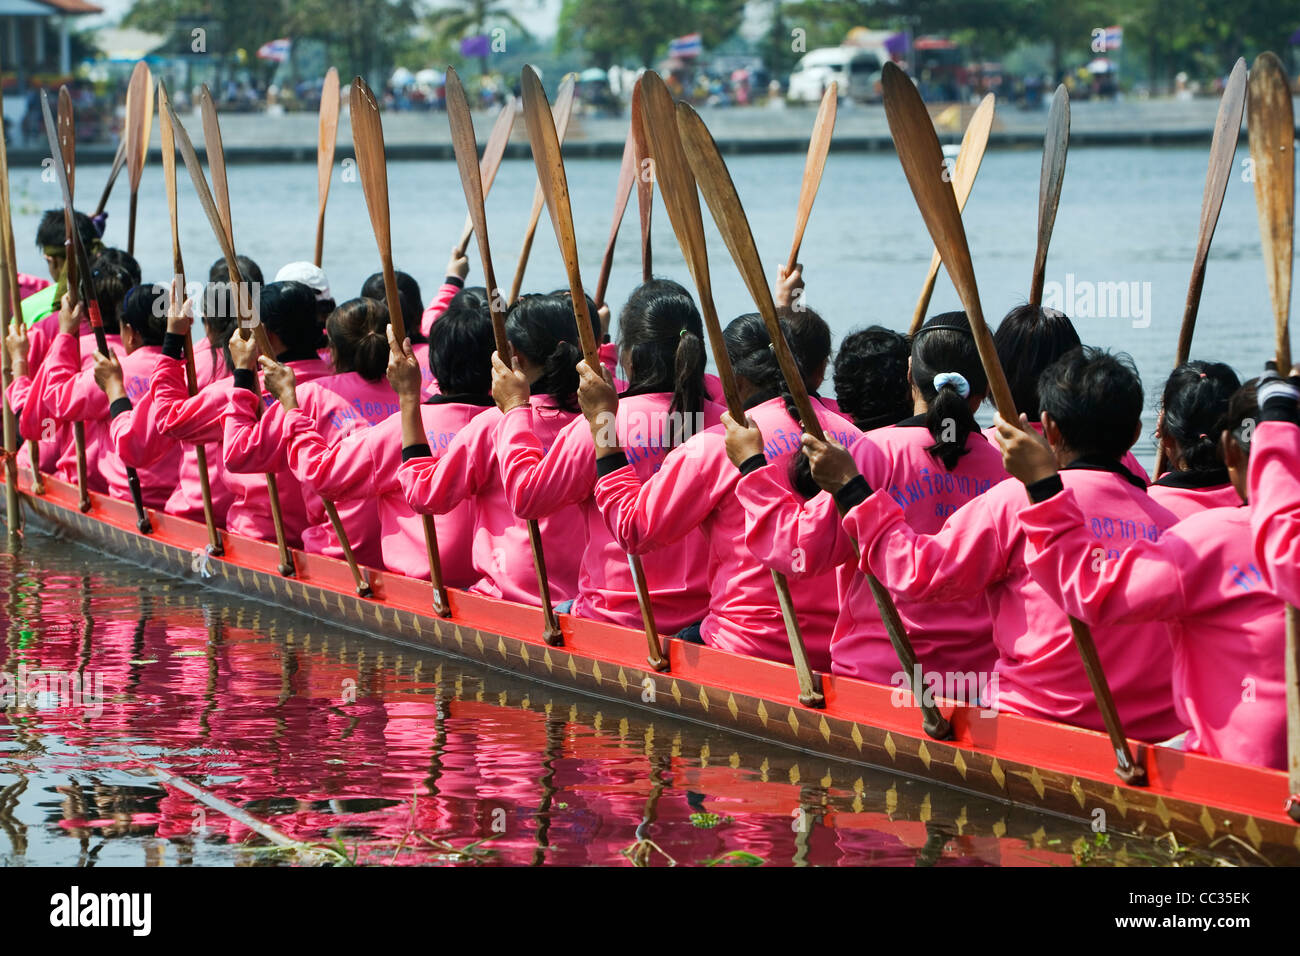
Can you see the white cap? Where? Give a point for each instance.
(308, 274)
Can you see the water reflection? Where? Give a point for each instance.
(394, 756)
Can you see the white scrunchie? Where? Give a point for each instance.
(956, 380)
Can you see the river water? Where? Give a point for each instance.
(1127, 215)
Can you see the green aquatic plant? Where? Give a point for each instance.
(735, 858)
(707, 821)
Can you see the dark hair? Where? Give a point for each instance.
(461, 344)
(662, 335)
(145, 309)
(871, 377)
(1241, 415)
(408, 294)
(219, 304)
(357, 335)
(1095, 398)
(1195, 398)
(945, 344)
(810, 338)
(544, 329)
(113, 273)
(1028, 340)
(289, 310)
(51, 232)
(752, 357)
(249, 270)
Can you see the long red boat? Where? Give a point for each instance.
(1038, 764)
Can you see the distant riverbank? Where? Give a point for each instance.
(291, 137)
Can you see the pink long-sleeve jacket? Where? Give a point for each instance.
(807, 538)
(981, 550)
(1187, 492)
(1200, 577)
(1129, 460)
(696, 489)
(468, 471)
(538, 484)
(365, 464)
(1274, 487)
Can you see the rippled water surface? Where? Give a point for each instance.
(357, 750)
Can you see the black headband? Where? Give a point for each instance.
(941, 327)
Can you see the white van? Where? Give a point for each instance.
(856, 70)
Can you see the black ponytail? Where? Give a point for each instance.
(944, 347)
(661, 340)
(1196, 397)
(358, 338)
(544, 329)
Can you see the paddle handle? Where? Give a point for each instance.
(810, 682)
(551, 632)
(927, 290)
(83, 486)
(320, 236)
(441, 604)
(539, 200)
(358, 579)
(130, 227)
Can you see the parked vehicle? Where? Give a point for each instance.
(857, 71)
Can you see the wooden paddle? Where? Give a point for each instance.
(63, 150)
(222, 229)
(493, 153)
(119, 160)
(645, 186)
(168, 143)
(677, 186)
(68, 148)
(466, 147)
(919, 152)
(139, 119)
(971, 154)
(1056, 143)
(627, 173)
(1270, 123)
(372, 164)
(724, 203)
(551, 175)
(562, 111)
(10, 309)
(818, 146)
(327, 137)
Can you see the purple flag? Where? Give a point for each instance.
(475, 46)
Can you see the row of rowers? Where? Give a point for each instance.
(638, 457)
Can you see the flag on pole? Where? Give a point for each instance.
(277, 50)
(690, 45)
(1114, 37)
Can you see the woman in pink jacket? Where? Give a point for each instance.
(694, 491)
(364, 464)
(661, 347)
(1274, 479)
(931, 465)
(1195, 399)
(1200, 577)
(543, 335)
(1092, 413)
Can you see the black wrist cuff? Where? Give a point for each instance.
(457, 281)
(173, 345)
(753, 463)
(853, 493)
(246, 378)
(416, 451)
(1045, 488)
(118, 407)
(609, 464)
(1280, 409)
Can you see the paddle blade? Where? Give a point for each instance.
(1271, 125)
(555, 187)
(68, 137)
(216, 154)
(644, 179)
(191, 160)
(627, 172)
(922, 159)
(818, 146)
(326, 138)
(139, 110)
(1056, 143)
(167, 140)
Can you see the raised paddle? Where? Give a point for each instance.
(627, 173)
(818, 146)
(119, 160)
(10, 310)
(550, 172)
(372, 164)
(724, 203)
(1270, 124)
(466, 148)
(68, 148)
(222, 230)
(645, 186)
(139, 120)
(920, 154)
(168, 143)
(493, 153)
(1056, 143)
(969, 157)
(64, 152)
(326, 138)
(562, 110)
(677, 186)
